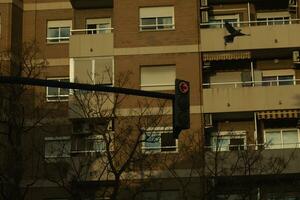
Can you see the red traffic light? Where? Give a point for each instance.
(184, 87)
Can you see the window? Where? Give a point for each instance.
(58, 31)
(218, 21)
(57, 94)
(158, 77)
(281, 138)
(228, 141)
(57, 147)
(93, 70)
(157, 18)
(97, 26)
(273, 18)
(278, 80)
(159, 140)
(89, 144)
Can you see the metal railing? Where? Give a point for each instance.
(237, 84)
(242, 147)
(251, 23)
(91, 30)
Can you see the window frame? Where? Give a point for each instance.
(59, 97)
(160, 149)
(157, 17)
(98, 22)
(59, 25)
(269, 145)
(86, 140)
(272, 18)
(228, 135)
(223, 18)
(93, 69)
(59, 139)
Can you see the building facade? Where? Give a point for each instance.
(244, 132)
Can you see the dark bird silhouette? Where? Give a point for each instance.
(232, 33)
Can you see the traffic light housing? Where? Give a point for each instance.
(181, 107)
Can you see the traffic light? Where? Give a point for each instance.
(181, 107)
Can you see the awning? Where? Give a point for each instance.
(278, 114)
(231, 55)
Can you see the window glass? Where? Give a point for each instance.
(286, 80)
(228, 141)
(159, 140)
(57, 94)
(157, 18)
(53, 34)
(148, 23)
(98, 26)
(166, 22)
(58, 31)
(57, 147)
(290, 138)
(273, 139)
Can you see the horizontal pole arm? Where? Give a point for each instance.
(81, 86)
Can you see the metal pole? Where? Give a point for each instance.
(81, 86)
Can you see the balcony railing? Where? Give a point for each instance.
(91, 31)
(251, 23)
(243, 147)
(237, 84)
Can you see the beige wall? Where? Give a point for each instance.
(251, 98)
(261, 37)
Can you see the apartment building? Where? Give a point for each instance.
(247, 129)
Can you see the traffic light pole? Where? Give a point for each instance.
(81, 86)
(180, 100)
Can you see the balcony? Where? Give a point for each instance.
(250, 96)
(87, 4)
(260, 35)
(263, 162)
(91, 42)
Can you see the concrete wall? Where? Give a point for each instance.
(251, 98)
(261, 37)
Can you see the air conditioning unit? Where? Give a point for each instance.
(296, 57)
(208, 120)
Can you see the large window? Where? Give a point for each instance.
(278, 77)
(97, 26)
(273, 18)
(228, 141)
(281, 138)
(158, 77)
(57, 94)
(89, 144)
(57, 147)
(157, 18)
(159, 139)
(93, 70)
(58, 31)
(218, 21)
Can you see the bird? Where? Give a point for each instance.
(232, 33)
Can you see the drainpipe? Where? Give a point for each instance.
(255, 131)
(249, 16)
(252, 73)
